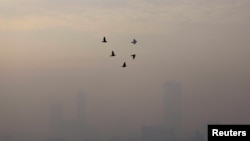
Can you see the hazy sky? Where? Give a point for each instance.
(50, 49)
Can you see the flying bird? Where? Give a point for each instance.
(134, 41)
(133, 56)
(104, 40)
(124, 65)
(112, 54)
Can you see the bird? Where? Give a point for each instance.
(133, 56)
(134, 41)
(112, 54)
(104, 40)
(124, 65)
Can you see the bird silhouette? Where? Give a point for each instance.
(112, 54)
(134, 41)
(124, 65)
(104, 40)
(133, 56)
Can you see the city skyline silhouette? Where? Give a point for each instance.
(50, 50)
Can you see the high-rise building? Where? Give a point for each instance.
(157, 133)
(173, 106)
(73, 129)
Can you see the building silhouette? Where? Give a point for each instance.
(171, 127)
(173, 106)
(64, 129)
(157, 133)
(197, 137)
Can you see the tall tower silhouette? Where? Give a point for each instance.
(173, 106)
(81, 108)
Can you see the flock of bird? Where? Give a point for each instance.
(113, 53)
